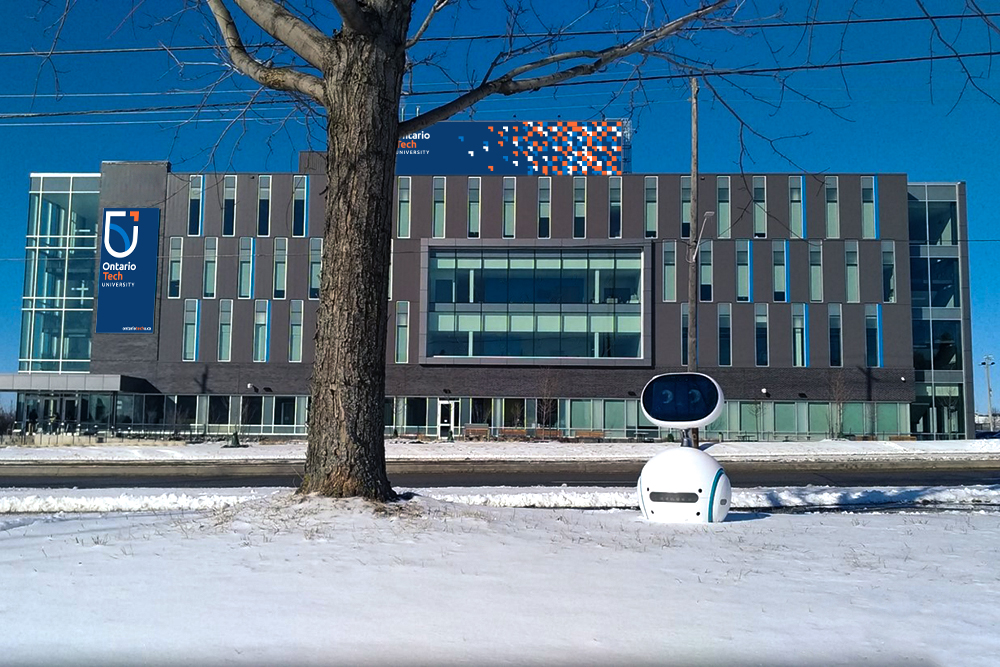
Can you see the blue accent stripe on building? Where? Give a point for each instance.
(711, 498)
(875, 206)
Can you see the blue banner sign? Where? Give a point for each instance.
(126, 277)
(511, 148)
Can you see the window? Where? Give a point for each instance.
(474, 206)
(211, 260)
(725, 335)
(245, 276)
(743, 272)
(229, 206)
(759, 207)
(832, 208)
(544, 207)
(705, 271)
(869, 221)
(873, 336)
(263, 206)
(836, 346)
(403, 205)
(295, 331)
(190, 338)
(722, 209)
(760, 333)
(280, 267)
(685, 207)
(174, 277)
(437, 212)
(670, 270)
(615, 207)
(851, 259)
(815, 271)
(195, 187)
(315, 266)
(509, 185)
(300, 215)
(579, 207)
(888, 272)
(779, 271)
(650, 186)
(261, 320)
(402, 331)
(225, 329)
(800, 341)
(684, 333)
(523, 302)
(796, 214)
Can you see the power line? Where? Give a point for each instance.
(582, 82)
(530, 35)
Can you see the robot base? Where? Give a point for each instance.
(684, 485)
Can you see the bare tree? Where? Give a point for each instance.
(356, 74)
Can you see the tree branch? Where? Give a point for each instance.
(507, 84)
(353, 15)
(278, 78)
(438, 6)
(306, 41)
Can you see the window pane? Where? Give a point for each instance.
(868, 224)
(509, 185)
(796, 217)
(403, 212)
(685, 207)
(669, 271)
(544, 207)
(759, 207)
(760, 333)
(579, 207)
(299, 199)
(195, 187)
(832, 208)
(650, 206)
(725, 335)
(437, 212)
(723, 212)
(615, 207)
(474, 213)
(263, 206)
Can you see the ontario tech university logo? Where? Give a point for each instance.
(126, 286)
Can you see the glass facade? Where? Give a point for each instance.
(535, 303)
(60, 259)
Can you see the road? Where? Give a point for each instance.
(420, 474)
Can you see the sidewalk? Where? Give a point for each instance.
(399, 450)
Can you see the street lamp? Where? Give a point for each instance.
(986, 363)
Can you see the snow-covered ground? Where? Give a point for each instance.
(278, 580)
(533, 451)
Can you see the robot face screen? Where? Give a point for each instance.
(680, 397)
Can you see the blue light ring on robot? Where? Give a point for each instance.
(711, 498)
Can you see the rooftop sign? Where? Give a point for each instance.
(513, 148)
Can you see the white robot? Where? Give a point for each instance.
(684, 484)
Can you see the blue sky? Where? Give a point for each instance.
(889, 118)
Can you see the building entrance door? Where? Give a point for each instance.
(447, 417)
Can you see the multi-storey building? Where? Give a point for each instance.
(829, 305)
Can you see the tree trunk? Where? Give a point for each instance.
(363, 80)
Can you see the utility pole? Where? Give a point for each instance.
(694, 237)
(986, 363)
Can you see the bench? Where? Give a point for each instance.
(547, 433)
(476, 432)
(514, 433)
(588, 435)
